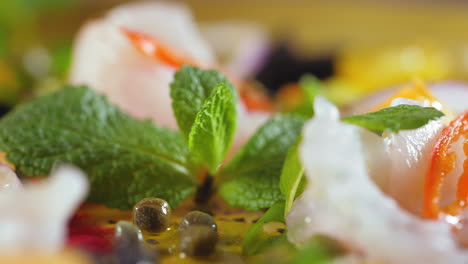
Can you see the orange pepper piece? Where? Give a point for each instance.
(417, 91)
(441, 164)
(154, 48)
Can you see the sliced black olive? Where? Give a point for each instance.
(129, 245)
(198, 240)
(152, 215)
(197, 218)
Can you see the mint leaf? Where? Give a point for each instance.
(256, 240)
(124, 159)
(395, 118)
(292, 179)
(213, 130)
(189, 91)
(319, 250)
(251, 179)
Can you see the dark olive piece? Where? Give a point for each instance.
(129, 245)
(197, 218)
(198, 240)
(152, 215)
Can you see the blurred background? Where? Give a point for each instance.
(354, 46)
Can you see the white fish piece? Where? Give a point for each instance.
(8, 179)
(401, 173)
(106, 61)
(342, 201)
(35, 217)
(409, 154)
(376, 159)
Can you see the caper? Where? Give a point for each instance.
(129, 245)
(197, 218)
(127, 233)
(152, 215)
(198, 240)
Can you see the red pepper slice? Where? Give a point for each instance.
(154, 48)
(442, 163)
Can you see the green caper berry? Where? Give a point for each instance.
(152, 215)
(197, 218)
(198, 240)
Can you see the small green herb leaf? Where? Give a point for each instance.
(319, 250)
(189, 91)
(125, 159)
(292, 179)
(395, 118)
(213, 130)
(251, 179)
(256, 240)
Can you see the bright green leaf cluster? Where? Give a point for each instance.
(204, 103)
(125, 159)
(251, 179)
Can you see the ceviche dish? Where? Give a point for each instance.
(157, 151)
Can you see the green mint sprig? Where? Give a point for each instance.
(204, 103)
(251, 179)
(125, 159)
